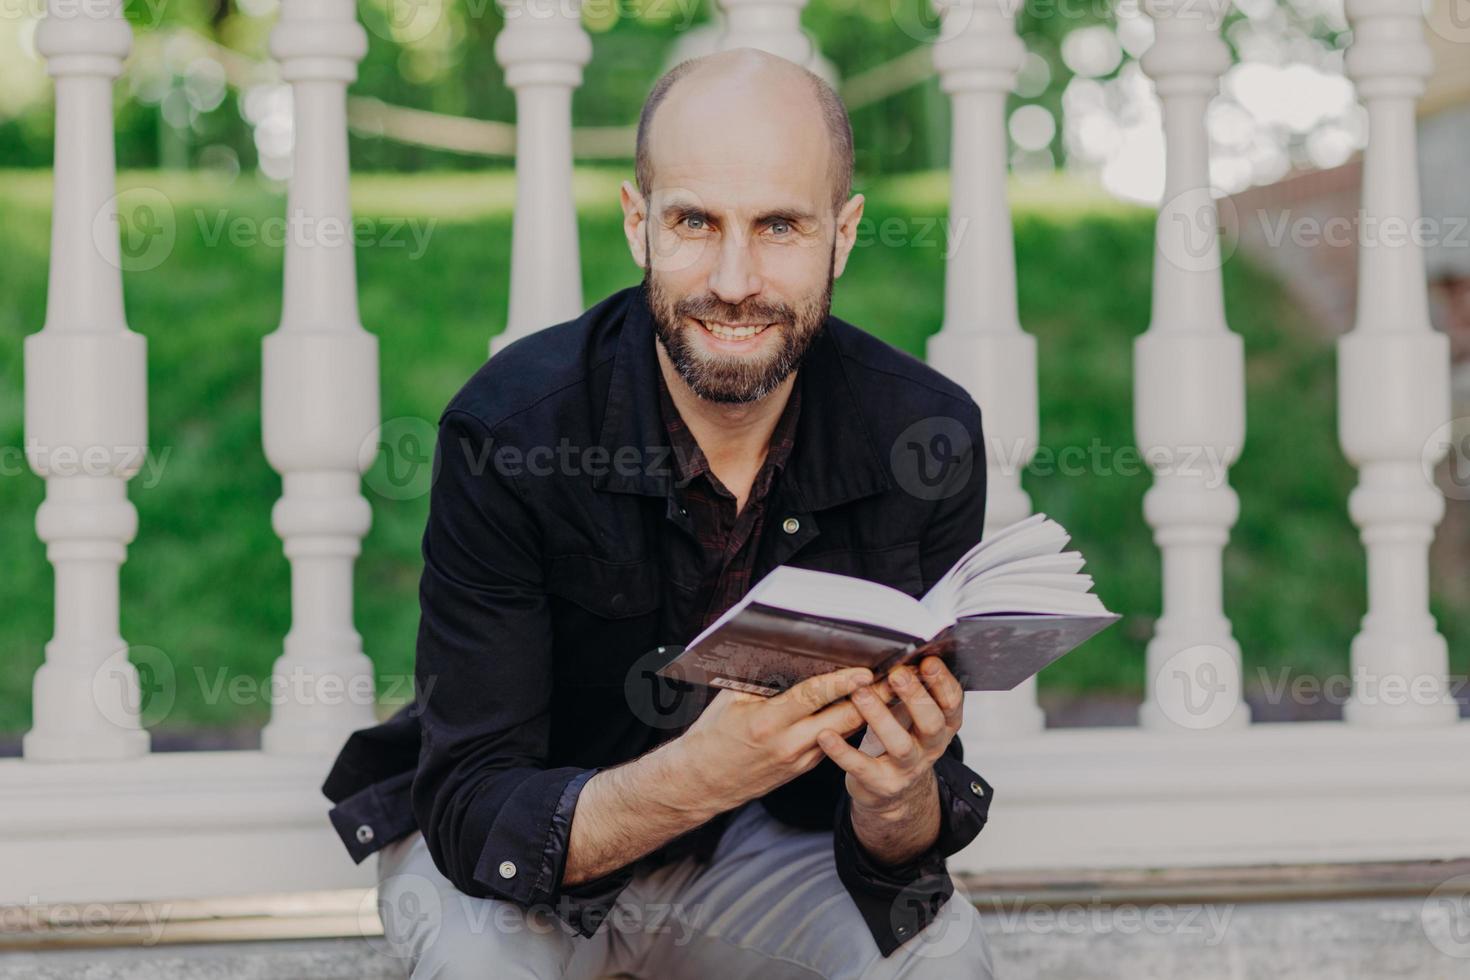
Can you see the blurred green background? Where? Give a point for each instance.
(206, 582)
(206, 587)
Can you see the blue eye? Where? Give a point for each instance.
(780, 227)
(694, 222)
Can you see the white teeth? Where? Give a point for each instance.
(733, 333)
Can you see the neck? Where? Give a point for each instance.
(734, 437)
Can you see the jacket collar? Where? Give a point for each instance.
(834, 459)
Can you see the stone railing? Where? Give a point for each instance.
(90, 814)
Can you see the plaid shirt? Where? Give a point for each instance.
(726, 540)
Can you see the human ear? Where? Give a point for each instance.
(847, 229)
(635, 219)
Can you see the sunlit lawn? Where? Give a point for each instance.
(206, 582)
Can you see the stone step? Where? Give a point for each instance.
(1341, 939)
(1377, 921)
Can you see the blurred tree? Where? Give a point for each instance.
(441, 58)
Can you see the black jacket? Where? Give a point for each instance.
(544, 603)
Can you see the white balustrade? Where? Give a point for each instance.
(1189, 398)
(319, 400)
(542, 49)
(86, 410)
(770, 25)
(981, 344)
(1393, 387)
(1374, 789)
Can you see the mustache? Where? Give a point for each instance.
(751, 311)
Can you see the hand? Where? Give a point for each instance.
(742, 746)
(891, 775)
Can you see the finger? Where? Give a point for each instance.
(811, 695)
(843, 716)
(945, 688)
(884, 690)
(849, 759)
(897, 742)
(872, 744)
(809, 758)
(927, 716)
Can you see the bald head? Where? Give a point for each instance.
(745, 219)
(765, 104)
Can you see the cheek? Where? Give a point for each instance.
(679, 258)
(794, 272)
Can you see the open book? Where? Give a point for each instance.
(1011, 605)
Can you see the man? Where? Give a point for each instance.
(607, 487)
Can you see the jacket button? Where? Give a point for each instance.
(619, 602)
(364, 834)
(791, 525)
(977, 789)
(507, 869)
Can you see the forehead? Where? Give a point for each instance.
(745, 144)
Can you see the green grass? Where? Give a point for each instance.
(207, 584)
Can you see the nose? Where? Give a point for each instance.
(734, 277)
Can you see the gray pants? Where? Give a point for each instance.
(769, 906)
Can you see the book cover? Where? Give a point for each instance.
(765, 649)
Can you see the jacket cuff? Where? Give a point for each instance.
(374, 817)
(586, 906)
(529, 872)
(897, 902)
(964, 804)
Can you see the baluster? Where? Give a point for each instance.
(319, 398)
(1393, 387)
(770, 25)
(542, 49)
(86, 406)
(981, 344)
(1189, 400)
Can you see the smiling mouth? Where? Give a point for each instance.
(732, 331)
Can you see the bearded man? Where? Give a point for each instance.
(606, 488)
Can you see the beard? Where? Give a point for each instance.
(736, 379)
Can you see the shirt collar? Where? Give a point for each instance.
(831, 460)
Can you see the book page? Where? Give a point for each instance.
(840, 597)
(1035, 536)
(1004, 599)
